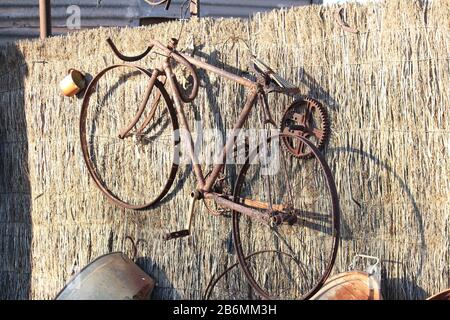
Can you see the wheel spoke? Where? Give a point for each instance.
(98, 106)
(302, 266)
(309, 243)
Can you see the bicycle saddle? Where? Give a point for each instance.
(264, 69)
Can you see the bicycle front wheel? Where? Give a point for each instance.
(135, 171)
(297, 250)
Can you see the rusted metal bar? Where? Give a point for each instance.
(256, 204)
(195, 8)
(251, 213)
(179, 106)
(261, 205)
(195, 82)
(45, 19)
(153, 109)
(203, 65)
(230, 76)
(186, 232)
(124, 57)
(230, 142)
(123, 133)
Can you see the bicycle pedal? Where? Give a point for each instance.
(177, 234)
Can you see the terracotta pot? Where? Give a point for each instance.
(443, 295)
(353, 285)
(110, 277)
(73, 83)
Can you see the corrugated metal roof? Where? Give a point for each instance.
(245, 8)
(223, 8)
(20, 18)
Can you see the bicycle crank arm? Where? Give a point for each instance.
(186, 232)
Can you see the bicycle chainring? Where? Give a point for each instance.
(222, 187)
(308, 118)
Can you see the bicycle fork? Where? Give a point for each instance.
(125, 131)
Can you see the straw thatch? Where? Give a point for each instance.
(386, 88)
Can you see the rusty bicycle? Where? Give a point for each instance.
(285, 223)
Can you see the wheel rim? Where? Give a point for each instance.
(242, 231)
(125, 175)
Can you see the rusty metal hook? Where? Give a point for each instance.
(134, 247)
(338, 16)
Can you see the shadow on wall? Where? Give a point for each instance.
(406, 288)
(393, 288)
(403, 287)
(164, 290)
(15, 190)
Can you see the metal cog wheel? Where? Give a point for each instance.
(309, 118)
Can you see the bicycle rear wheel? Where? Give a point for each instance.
(137, 171)
(297, 256)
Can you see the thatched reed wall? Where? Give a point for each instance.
(387, 90)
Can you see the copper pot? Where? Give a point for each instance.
(73, 83)
(353, 285)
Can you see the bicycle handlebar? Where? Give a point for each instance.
(127, 58)
(170, 53)
(195, 83)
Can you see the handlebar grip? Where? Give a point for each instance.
(127, 58)
(182, 60)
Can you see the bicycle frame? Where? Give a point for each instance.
(256, 89)
(206, 185)
(269, 214)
